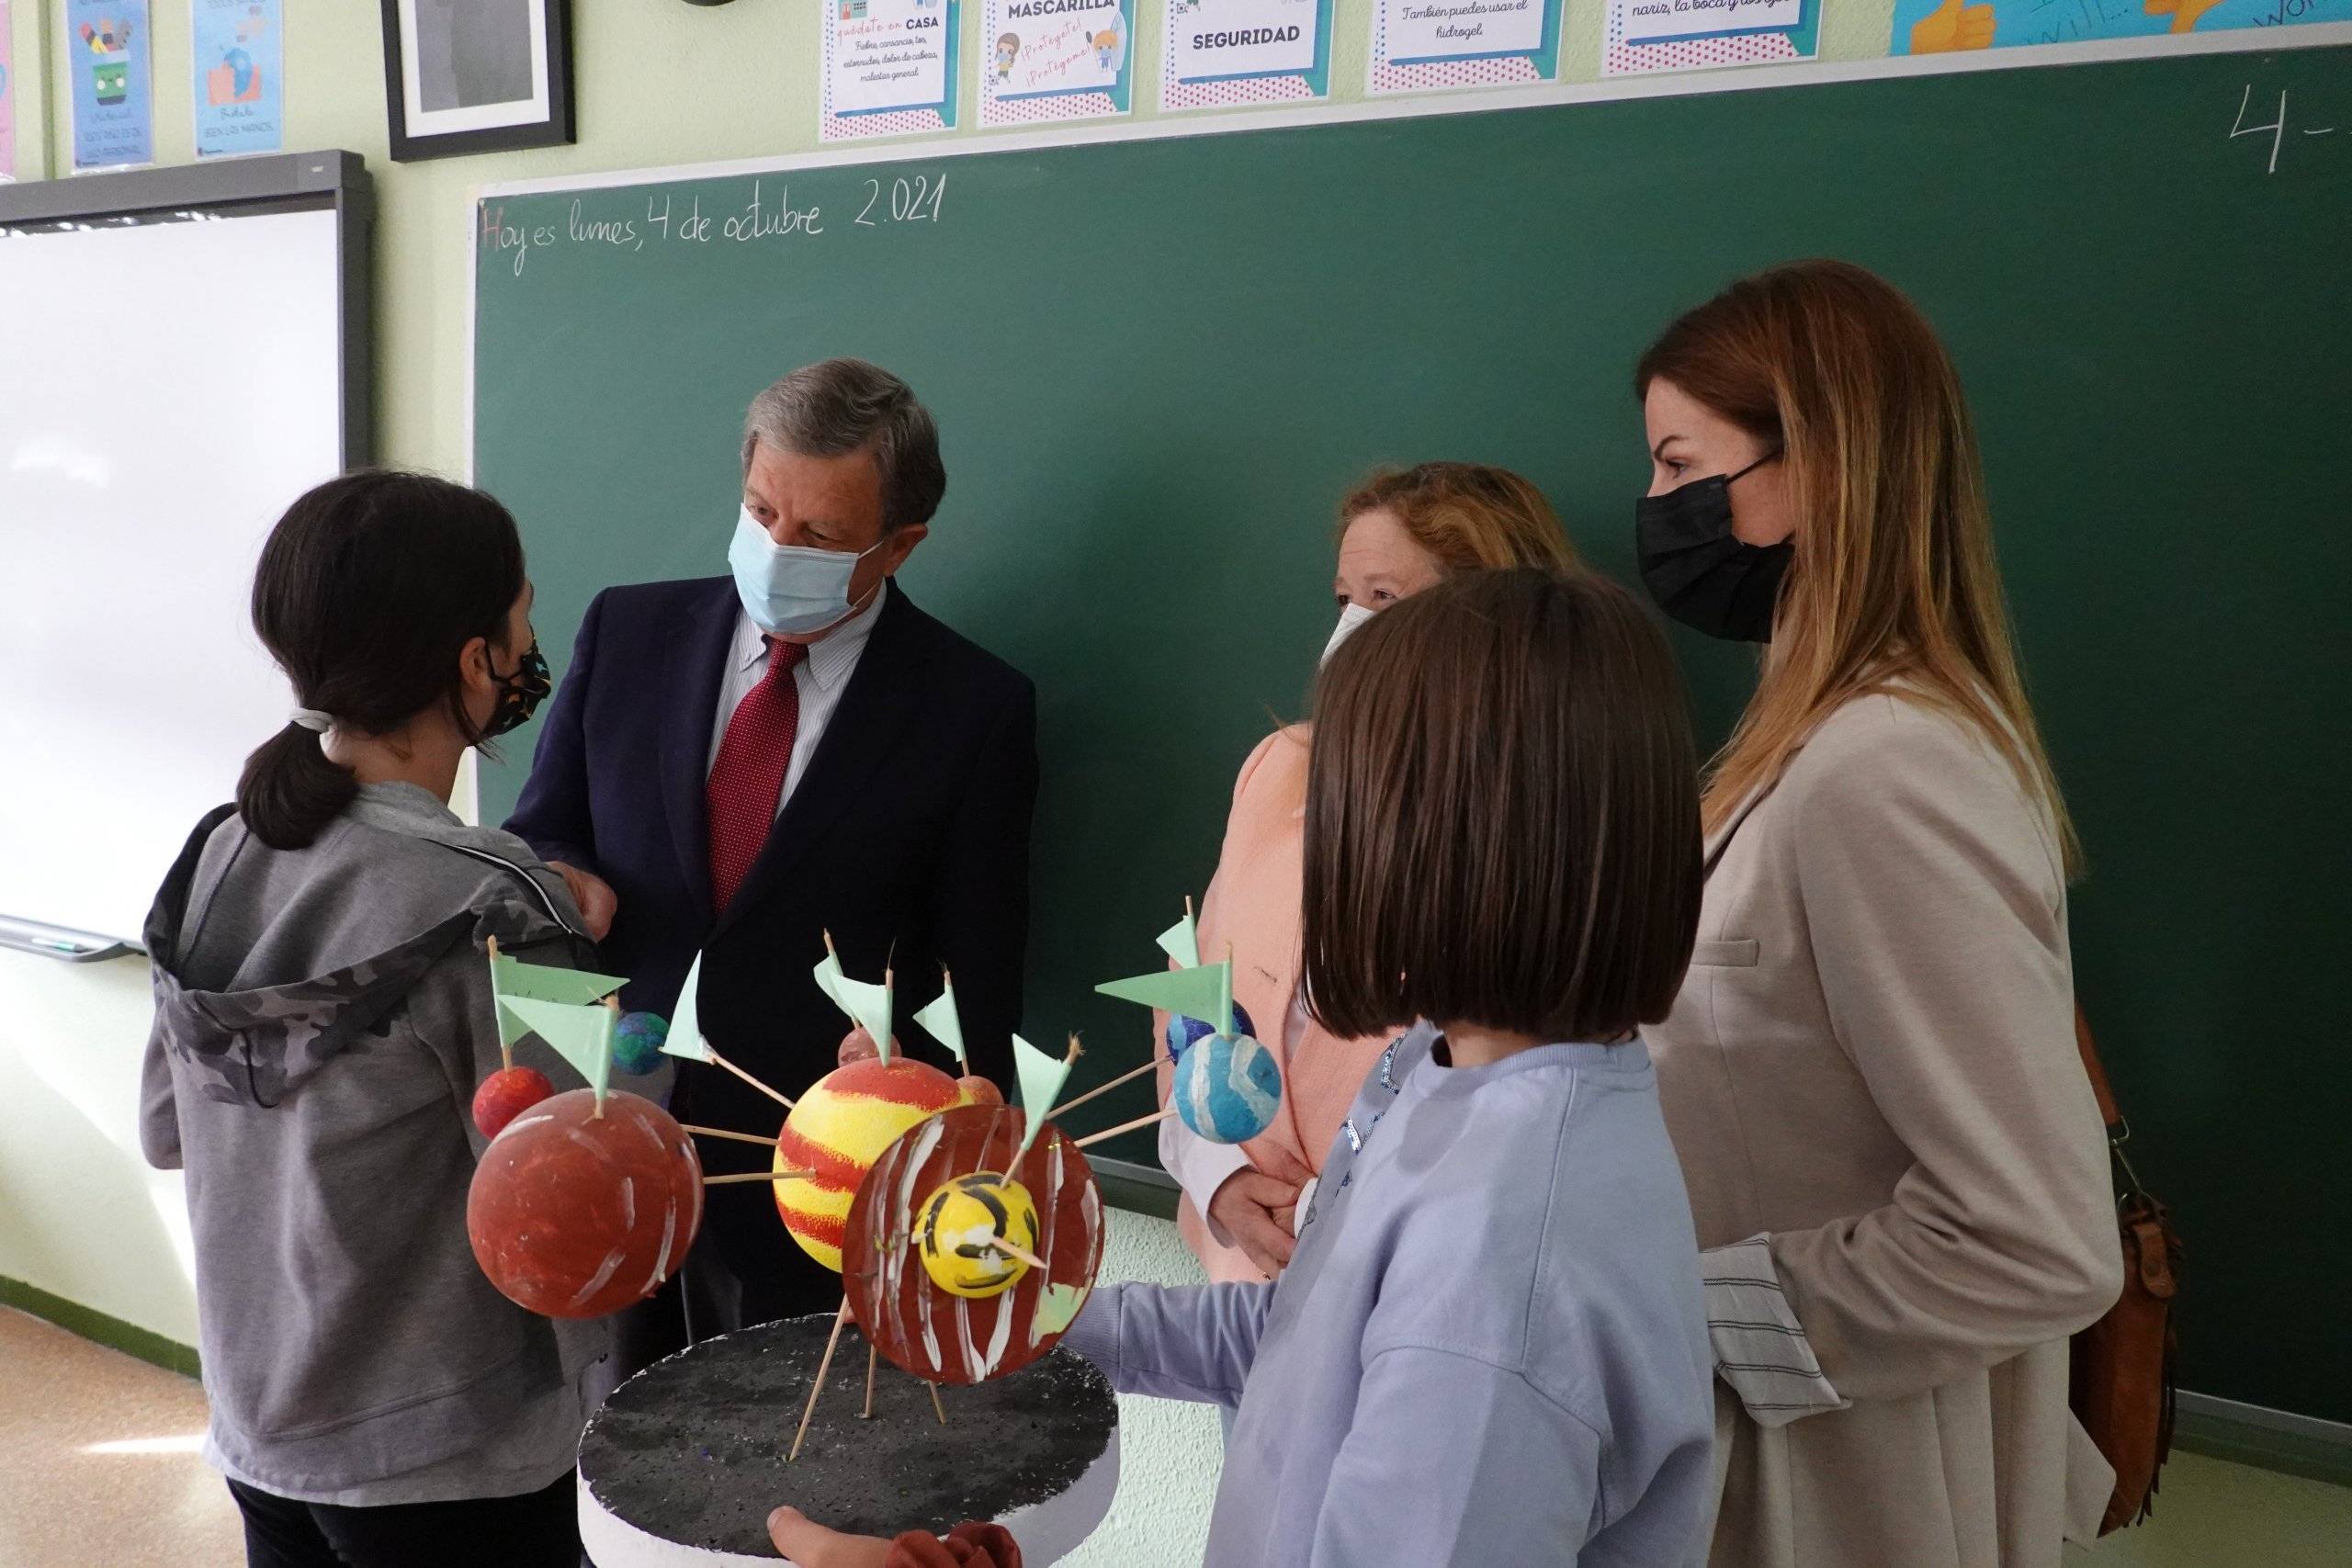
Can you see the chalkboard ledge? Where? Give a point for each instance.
(1138, 1188)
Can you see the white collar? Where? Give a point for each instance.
(831, 656)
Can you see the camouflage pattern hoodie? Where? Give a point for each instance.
(322, 1019)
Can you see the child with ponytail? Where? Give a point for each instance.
(324, 1013)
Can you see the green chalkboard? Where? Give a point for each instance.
(1159, 362)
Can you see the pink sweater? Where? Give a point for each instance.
(1252, 905)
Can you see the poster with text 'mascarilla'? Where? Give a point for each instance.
(890, 67)
(1420, 45)
(1056, 59)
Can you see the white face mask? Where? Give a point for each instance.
(1351, 618)
(790, 590)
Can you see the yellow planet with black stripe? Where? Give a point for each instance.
(837, 1131)
(959, 1224)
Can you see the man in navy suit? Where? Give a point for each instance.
(741, 764)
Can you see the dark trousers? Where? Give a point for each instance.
(538, 1529)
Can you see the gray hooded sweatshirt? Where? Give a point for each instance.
(322, 1019)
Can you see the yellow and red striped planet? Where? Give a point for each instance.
(839, 1129)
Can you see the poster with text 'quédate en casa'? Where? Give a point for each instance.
(1057, 60)
(890, 67)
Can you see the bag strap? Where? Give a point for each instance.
(2119, 1127)
(2107, 1112)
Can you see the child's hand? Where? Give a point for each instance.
(811, 1545)
(1254, 1209)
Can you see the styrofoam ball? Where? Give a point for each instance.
(1227, 1087)
(1183, 1033)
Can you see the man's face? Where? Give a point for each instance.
(828, 504)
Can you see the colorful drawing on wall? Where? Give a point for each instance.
(890, 68)
(7, 95)
(240, 68)
(1245, 51)
(1053, 59)
(1938, 27)
(113, 92)
(1643, 36)
(1420, 45)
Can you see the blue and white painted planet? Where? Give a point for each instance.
(1227, 1087)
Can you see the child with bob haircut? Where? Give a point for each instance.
(1490, 1348)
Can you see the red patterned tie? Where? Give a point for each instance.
(747, 779)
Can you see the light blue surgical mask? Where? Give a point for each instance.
(790, 590)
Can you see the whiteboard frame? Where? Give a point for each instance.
(341, 179)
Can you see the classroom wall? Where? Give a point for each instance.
(656, 81)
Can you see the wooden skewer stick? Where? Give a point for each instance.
(936, 1408)
(868, 1413)
(614, 1002)
(505, 1051)
(1023, 1252)
(776, 1094)
(1124, 1127)
(722, 1132)
(823, 1367)
(1066, 1106)
(757, 1176)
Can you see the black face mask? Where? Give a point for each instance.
(520, 694)
(1698, 571)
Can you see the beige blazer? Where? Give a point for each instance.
(1872, 1063)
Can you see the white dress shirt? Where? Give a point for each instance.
(821, 678)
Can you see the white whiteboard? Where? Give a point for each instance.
(165, 389)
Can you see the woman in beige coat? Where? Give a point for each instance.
(1892, 1150)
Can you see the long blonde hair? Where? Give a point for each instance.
(1893, 582)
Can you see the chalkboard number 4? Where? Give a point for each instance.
(911, 201)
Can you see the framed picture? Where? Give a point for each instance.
(476, 75)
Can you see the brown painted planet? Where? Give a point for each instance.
(954, 1339)
(574, 1214)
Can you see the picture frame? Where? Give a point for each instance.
(465, 76)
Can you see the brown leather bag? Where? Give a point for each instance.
(2122, 1377)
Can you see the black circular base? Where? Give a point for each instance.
(693, 1450)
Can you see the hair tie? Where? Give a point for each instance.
(311, 719)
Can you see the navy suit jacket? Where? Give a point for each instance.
(907, 838)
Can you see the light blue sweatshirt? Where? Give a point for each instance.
(1490, 1348)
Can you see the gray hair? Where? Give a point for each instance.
(839, 406)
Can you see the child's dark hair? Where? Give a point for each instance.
(367, 589)
(1502, 815)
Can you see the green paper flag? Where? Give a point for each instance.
(512, 977)
(1057, 1310)
(1205, 992)
(581, 1035)
(868, 1004)
(1182, 942)
(939, 1018)
(686, 1019)
(1042, 1078)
